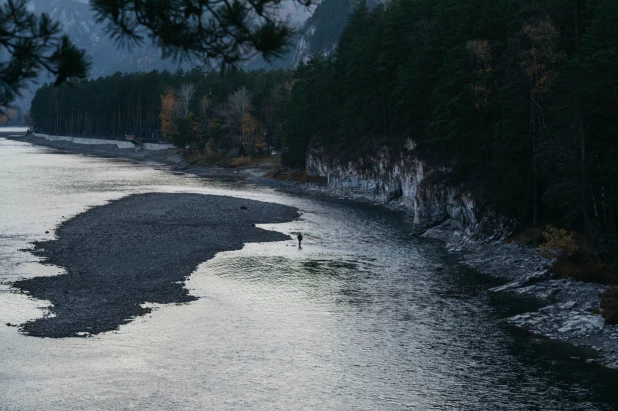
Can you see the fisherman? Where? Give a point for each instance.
(300, 238)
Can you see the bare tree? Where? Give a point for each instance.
(185, 94)
(236, 110)
(240, 100)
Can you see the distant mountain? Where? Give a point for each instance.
(79, 23)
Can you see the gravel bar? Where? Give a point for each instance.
(137, 250)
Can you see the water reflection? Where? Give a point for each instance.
(363, 317)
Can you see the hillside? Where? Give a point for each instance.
(79, 23)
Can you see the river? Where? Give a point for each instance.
(364, 317)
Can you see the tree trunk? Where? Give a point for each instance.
(576, 25)
(612, 88)
(588, 227)
(535, 211)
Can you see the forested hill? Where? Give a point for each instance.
(520, 98)
(220, 115)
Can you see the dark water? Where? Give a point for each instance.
(363, 317)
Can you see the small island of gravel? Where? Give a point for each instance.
(138, 250)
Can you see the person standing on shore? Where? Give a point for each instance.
(300, 238)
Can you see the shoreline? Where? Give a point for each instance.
(169, 156)
(570, 313)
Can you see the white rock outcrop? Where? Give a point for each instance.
(406, 181)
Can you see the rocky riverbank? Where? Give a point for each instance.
(571, 309)
(139, 250)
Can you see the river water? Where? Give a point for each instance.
(364, 317)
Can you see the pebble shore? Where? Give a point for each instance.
(138, 250)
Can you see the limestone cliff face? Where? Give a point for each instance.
(405, 181)
(321, 32)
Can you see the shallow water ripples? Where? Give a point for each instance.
(397, 334)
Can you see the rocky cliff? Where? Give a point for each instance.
(405, 181)
(320, 33)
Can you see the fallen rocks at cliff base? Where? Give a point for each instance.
(572, 309)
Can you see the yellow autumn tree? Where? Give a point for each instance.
(480, 50)
(253, 133)
(169, 113)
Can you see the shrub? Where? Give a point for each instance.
(609, 304)
(532, 236)
(573, 259)
(192, 156)
(240, 161)
(304, 178)
(209, 148)
(559, 243)
(583, 266)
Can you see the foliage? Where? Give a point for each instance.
(585, 267)
(169, 111)
(240, 161)
(573, 258)
(33, 43)
(185, 94)
(225, 30)
(559, 243)
(531, 236)
(312, 110)
(609, 305)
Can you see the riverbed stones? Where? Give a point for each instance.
(139, 250)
